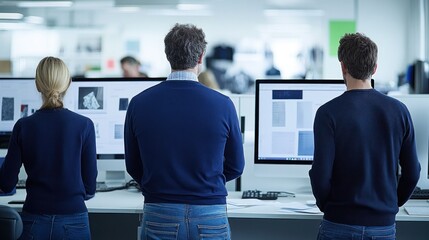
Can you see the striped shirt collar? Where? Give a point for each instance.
(182, 75)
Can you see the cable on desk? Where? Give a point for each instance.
(102, 187)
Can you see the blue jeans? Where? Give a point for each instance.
(182, 221)
(53, 227)
(329, 230)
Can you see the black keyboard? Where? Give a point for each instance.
(256, 194)
(420, 194)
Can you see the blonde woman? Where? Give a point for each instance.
(57, 148)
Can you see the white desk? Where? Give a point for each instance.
(122, 201)
(125, 207)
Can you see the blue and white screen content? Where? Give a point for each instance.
(104, 102)
(286, 116)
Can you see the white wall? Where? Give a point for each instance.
(389, 23)
(5, 43)
(335, 11)
(385, 22)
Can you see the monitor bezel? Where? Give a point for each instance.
(282, 81)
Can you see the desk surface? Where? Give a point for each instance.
(131, 201)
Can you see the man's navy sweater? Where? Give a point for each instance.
(361, 137)
(182, 143)
(57, 148)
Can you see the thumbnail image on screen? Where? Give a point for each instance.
(90, 98)
(284, 115)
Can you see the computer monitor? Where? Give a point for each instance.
(105, 101)
(418, 107)
(18, 98)
(284, 116)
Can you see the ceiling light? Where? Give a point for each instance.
(11, 16)
(34, 19)
(191, 7)
(12, 26)
(35, 4)
(176, 12)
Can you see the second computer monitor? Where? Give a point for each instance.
(285, 111)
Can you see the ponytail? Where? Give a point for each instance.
(52, 81)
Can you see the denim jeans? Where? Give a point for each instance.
(53, 227)
(329, 230)
(182, 221)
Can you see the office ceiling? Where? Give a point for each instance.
(52, 12)
(18, 5)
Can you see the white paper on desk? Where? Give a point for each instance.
(250, 202)
(417, 210)
(294, 206)
(232, 207)
(299, 207)
(313, 210)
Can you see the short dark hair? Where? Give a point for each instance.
(358, 53)
(184, 44)
(130, 60)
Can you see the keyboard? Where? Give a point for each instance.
(256, 194)
(420, 194)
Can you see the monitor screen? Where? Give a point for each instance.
(105, 102)
(285, 111)
(18, 98)
(417, 105)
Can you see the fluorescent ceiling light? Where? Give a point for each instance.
(93, 4)
(35, 4)
(191, 7)
(12, 26)
(176, 12)
(34, 19)
(143, 3)
(11, 16)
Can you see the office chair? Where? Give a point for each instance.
(10, 223)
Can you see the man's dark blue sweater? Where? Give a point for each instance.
(182, 143)
(361, 139)
(57, 148)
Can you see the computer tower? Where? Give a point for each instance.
(421, 77)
